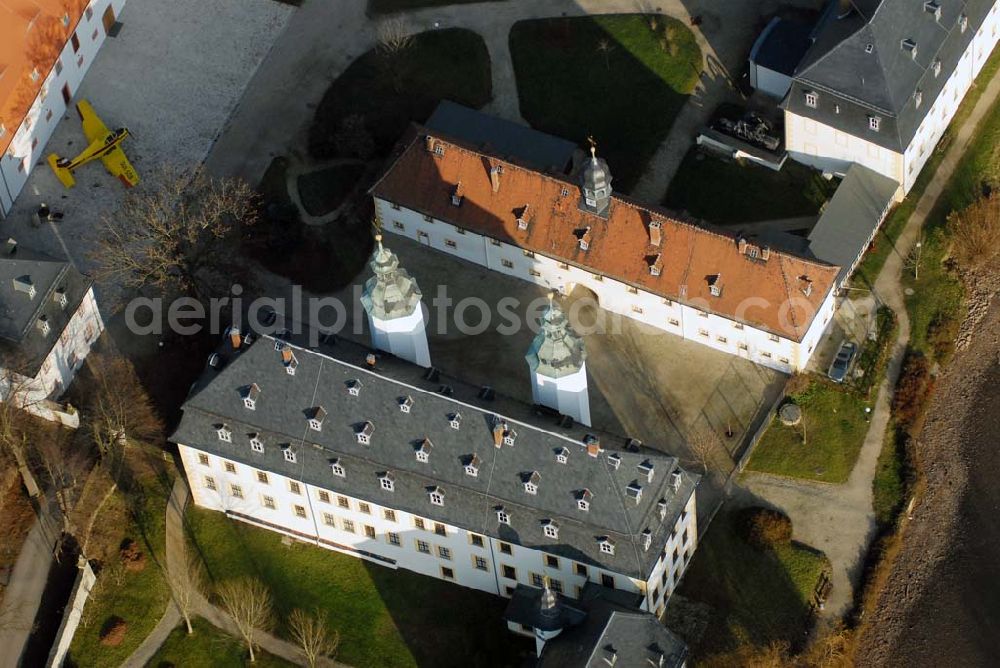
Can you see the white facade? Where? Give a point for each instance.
(833, 150)
(685, 320)
(405, 337)
(396, 539)
(63, 361)
(567, 394)
(27, 149)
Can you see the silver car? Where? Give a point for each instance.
(842, 362)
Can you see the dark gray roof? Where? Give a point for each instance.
(518, 143)
(21, 342)
(782, 45)
(525, 607)
(841, 235)
(611, 633)
(322, 379)
(858, 67)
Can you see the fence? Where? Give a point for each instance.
(71, 617)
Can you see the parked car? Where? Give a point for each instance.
(842, 362)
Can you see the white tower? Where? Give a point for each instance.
(392, 300)
(558, 367)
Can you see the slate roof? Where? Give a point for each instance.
(850, 217)
(20, 340)
(631, 637)
(525, 607)
(619, 242)
(781, 45)
(882, 80)
(528, 146)
(322, 379)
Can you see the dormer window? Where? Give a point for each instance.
(25, 285)
(934, 9)
(455, 420)
(614, 460)
(405, 404)
(471, 465)
(250, 394)
(354, 388)
(316, 417)
(562, 455)
(43, 325)
(423, 450)
(874, 122)
(646, 469)
(936, 67)
(918, 98)
(607, 545)
(225, 434)
(503, 517)
(634, 490)
(337, 468)
(288, 453)
(550, 528)
(647, 539)
(438, 149)
(583, 498)
(436, 495)
(364, 433)
(963, 23)
(388, 481)
(661, 507)
(676, 478)
(508, 437)
(715, 285)
(656, 266)
(456, 195)
(522, 218)
(811, 99)
(60, 297)
(869, 47)
(910, 47)
(256, 444)
(531, 481)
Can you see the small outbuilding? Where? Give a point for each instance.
(776, 54)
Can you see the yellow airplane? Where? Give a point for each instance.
(104, 144)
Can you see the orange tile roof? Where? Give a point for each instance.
(32, 35)
(768, 294)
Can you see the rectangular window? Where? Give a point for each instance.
(811, 99)
(738, 325)
(444, 552)
(269, 503)
(230, 467)
(236, 491)
(783, 360)
(392, 538)
(419, 523)
(343, 502)
(59, 67)
(636, 309)
(721, 339)
(370, 532)
(536, 274)
(300, 511)
(398, 225)
(459, 230)
(75, 41)
(395, 207)
(447, 573)
(873, 122)
(773, 337)
(294, 487)
(528, 253)
(203, 459)
(632, 290)
(741, 346)
(439, 529)
(506, 549)
(537, 580)
(476, 539)
(428, 219)
(674, 322)
(495, 242)
(389, 515)
(348, 526)
(479, 563)
(563, 265)
(766, 354)
(210, 483)
(703, 332)
(324, 496)
(328, 520)
(509, 572)
(365, 508)
(423, 547)
(507, 263)
(557, 585)
(262, 477)
(580, 570)
(551, 561)
(450, 244)
(608, 580)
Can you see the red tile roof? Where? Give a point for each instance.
(767, 294)
(32, 35)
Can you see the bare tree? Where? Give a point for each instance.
(707, 450)
(176, 233)
(187, 582)
(604, 46)
(393, 37)
(310, 631)
(120, 410)
(248, 602)
(975, 232)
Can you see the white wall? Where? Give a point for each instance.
(404, 337)
(526, 562)
(674, 559)
(669, 316)
(28, 146)
(769, 81)
(567, 394)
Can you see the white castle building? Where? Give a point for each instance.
(46, 48)
(882, 80)
(721, 290)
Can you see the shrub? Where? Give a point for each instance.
(975, 232)
(132, 557)
(113, 631)
(912, 390)
(941, 334)
(764, 528)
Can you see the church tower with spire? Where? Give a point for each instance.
(595, 185)
(557, 360)
(392, 301)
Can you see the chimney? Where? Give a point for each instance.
(495, 172)
(498, 431)
(11, 246)
(370, 360)
(655, 233)
(593, 445)
(741, 243)
(234, 337)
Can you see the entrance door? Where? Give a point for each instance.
(108, 19)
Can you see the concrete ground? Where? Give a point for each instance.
(173, 76)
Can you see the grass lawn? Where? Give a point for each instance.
(390, 92)
(376, 7)
(757, 597)
(835, 429)
(736, 191)
(385, 617)
(626, 97)
(142, 596)
(208, 647)
(324, 190)
(889, 483)
(320, 258)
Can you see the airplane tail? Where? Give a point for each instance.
(64, 175)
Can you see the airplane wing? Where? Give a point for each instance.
(116, 163)
(93, 127)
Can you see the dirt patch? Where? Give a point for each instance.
(941, 600)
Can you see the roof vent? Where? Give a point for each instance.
(370, 360)
(869, 47)
(633, 444)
